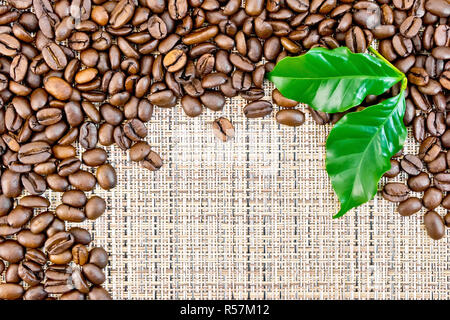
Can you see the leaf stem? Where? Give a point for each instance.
(379, 56)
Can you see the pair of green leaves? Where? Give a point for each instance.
(360, 145)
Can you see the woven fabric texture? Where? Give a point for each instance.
(252, 219)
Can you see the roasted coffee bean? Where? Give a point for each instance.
(192, 106)
(99, 257)
(74, 198)
(41, 222)
(96, 206)
(175, 60)
(223, 129)
(394, 170)
(257, 109)
(152, 162)
(106, 176)
(411, 26)
(34, 201)
(434, 225)
(409, 206)
(419, 128)
(432, 198)
(54, 56)
(442, 181)
(11, 251)
(11, 291)
(82, 180)
(355, 40)
(418, 76)
(290, 117)
(395, 192)
(411, 165)
(58, 88)
(88, 135)
(67, 213)
(59, 242)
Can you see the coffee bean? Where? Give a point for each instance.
(442, 181)
(223, 129)
(395, 192)
(58, 88)
(95, 207)
(106, 176)
(82, 180)
(411, 26)
(418, 76)
(11, 291)
(290, 117)
(54, 56)
(67, 213)
(11, 251)
(434, 225)
(411, 164)
(432, 198)
(409, 206)
(175, 60)
(59, 242)
(394, 170)
(152, 162)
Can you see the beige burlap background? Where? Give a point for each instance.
(251, 219)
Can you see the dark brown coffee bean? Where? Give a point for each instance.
(436, 123)
(88, 135)
(434, 225)
(122, 13)
(444, 79)
(411, 26)
(67, 213)
(34, 201)
(355, 40)
(411, 164)
(106, 176)
(192, 106)
(432, 198)
(418, 76)
(41, 222)
(11, 251)
(205, 64)
(442, 181)
(419, 128)
(99, 257)
(394, 170)
(34, 152)
(82, 180)
(395, 192)
(59, 242)
(409, 206)
(290, 117)
(258, 109)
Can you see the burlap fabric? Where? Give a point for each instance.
(251, 219)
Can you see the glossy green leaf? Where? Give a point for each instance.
(359, 149)
(333, 80)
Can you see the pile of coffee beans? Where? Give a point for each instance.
(90, 72)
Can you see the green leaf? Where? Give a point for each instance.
(359, 149)
(333, 80)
